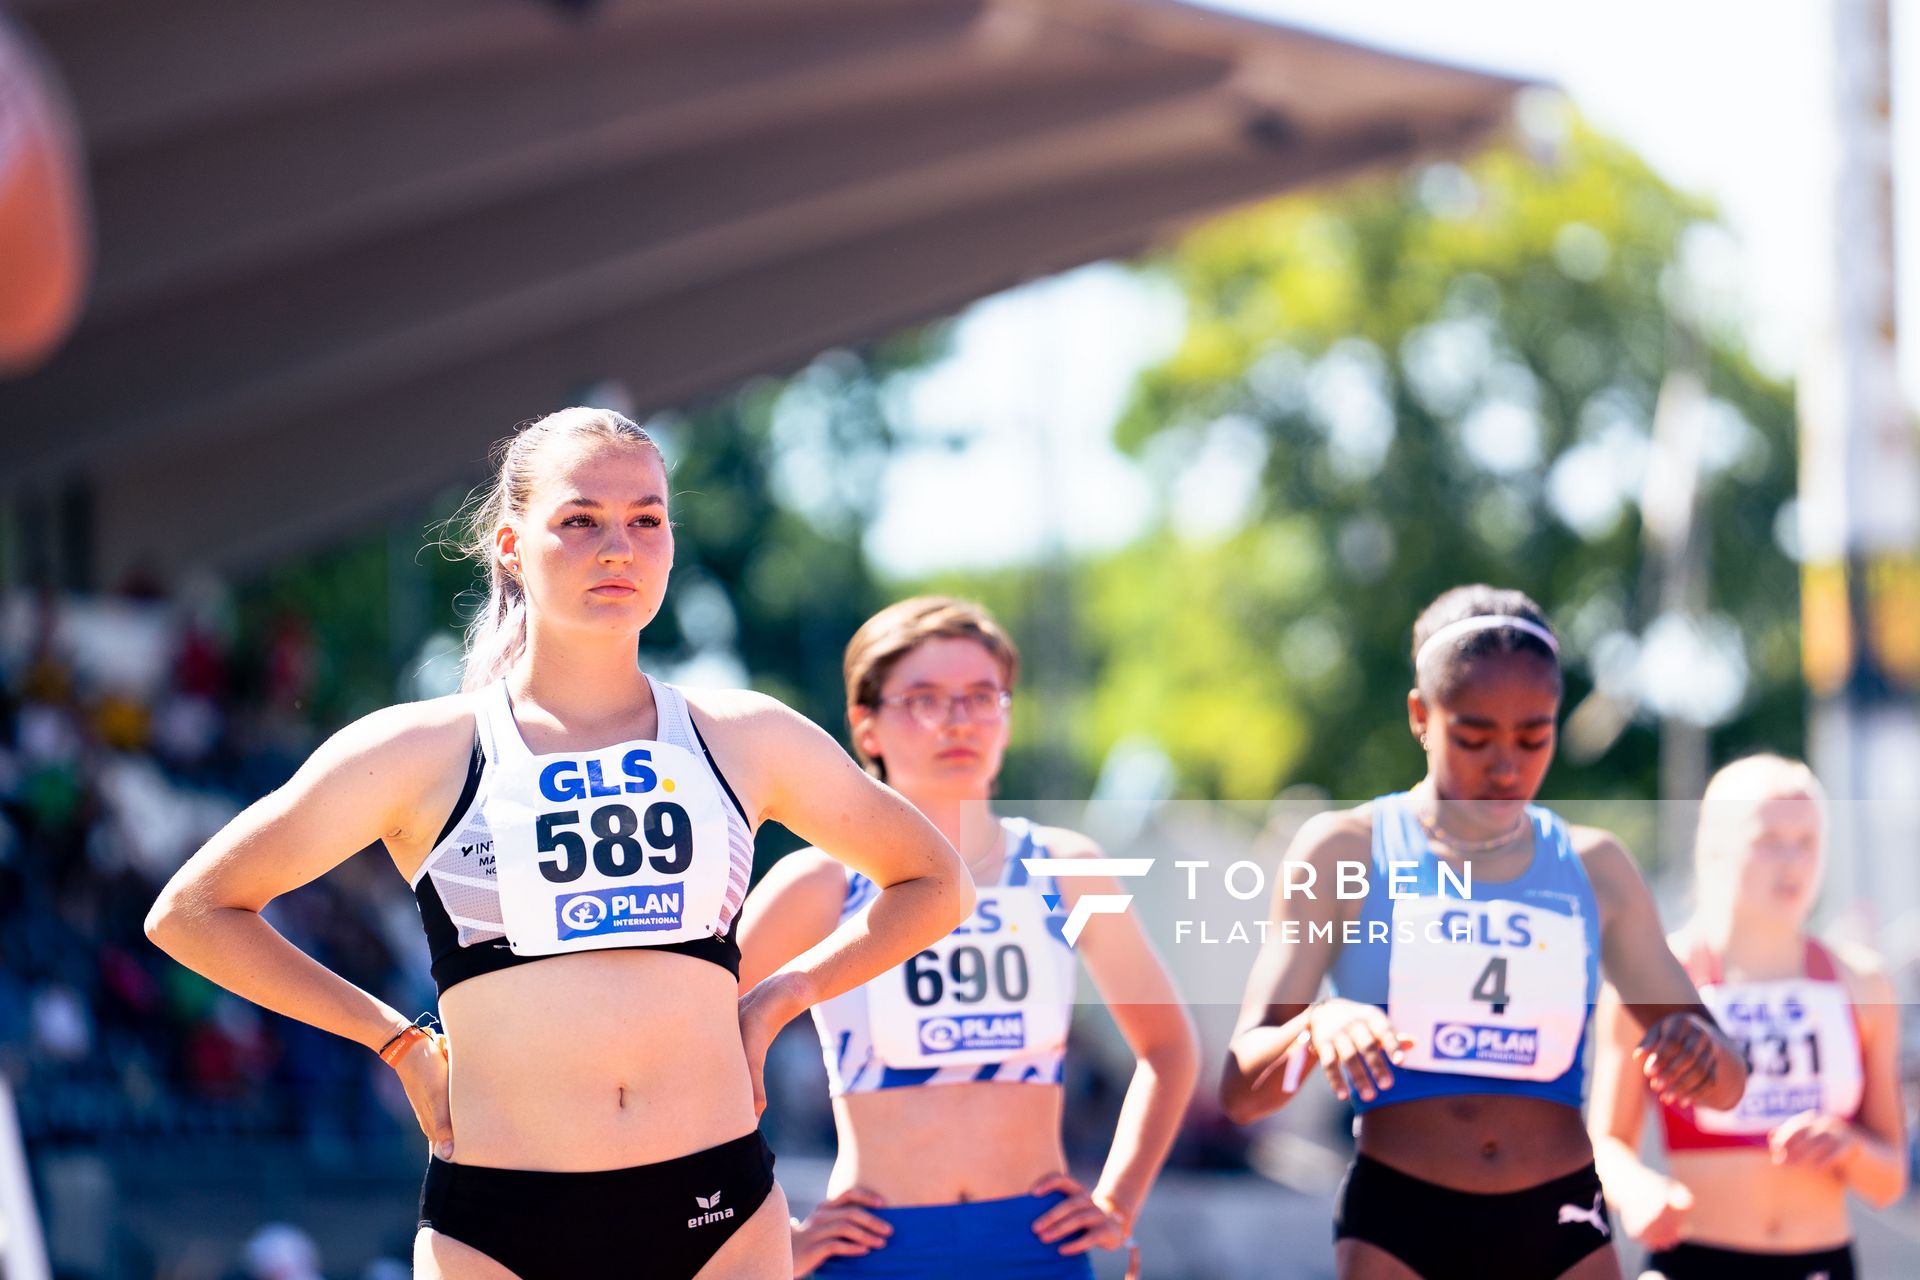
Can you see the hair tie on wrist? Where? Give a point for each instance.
(421, 1028)
(396, 1048)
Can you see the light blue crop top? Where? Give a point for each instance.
(1476, 1028)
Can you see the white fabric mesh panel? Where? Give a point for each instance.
(463, 875)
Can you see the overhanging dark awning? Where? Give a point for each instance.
(343, 247)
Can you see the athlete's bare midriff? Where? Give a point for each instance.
(1742, 1200)
(598, 1060)
(948, 1144)
(1484, 1143)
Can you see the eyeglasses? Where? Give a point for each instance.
(933, 710)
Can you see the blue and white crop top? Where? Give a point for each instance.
(640, 844)
(1496, 991)
(990, 1001)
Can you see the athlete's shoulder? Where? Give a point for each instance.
(1600, 850)
(406, 761)
(1862, 971)
(409, 732)
(1337, 835)
(1612, 877)
(730, 706)
(751, 719)
(1063, 842)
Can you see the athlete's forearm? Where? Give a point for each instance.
(906, 917)
(237, 949)
(1150, 1117)
(1621, 1170)
(1876, 1170)
(1254, 1083)
(1729, 1071)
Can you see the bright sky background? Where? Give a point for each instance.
(1727, 98)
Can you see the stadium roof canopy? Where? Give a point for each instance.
(344, 246)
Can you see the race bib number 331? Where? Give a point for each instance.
(1802, 1054)
(612, 848)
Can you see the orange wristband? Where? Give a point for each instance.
(396, 1048)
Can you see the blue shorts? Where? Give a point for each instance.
(964, 1242)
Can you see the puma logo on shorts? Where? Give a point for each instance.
(1595, 1217)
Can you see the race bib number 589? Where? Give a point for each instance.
(600, 850)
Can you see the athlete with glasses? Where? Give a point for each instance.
(931, 711)
(946, 1071)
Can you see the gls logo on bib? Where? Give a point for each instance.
(1464, 1042)
(594, 912)
(972, 1032)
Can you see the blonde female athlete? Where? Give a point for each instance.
(578, 836)
(946, 1071)
(1464, 977)
(1759, 1192)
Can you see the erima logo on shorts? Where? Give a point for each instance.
(592, 912)
(714, 1213)
(973, 1031)
(1464, 1042)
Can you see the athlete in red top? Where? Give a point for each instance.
(1759, 1191)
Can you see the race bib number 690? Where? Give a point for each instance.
(995, 988)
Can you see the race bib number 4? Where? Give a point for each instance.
(622, 847)
(1801, 1050)
(1495, 989)
(997, 987)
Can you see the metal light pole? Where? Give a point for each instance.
(1860, 505)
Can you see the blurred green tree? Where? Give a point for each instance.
(1424, 379)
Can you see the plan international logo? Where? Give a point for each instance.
(597, 911)
(1466, 1042)
(996, 1031)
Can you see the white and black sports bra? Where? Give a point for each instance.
(640, 844)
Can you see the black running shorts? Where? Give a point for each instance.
(662, 1221)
